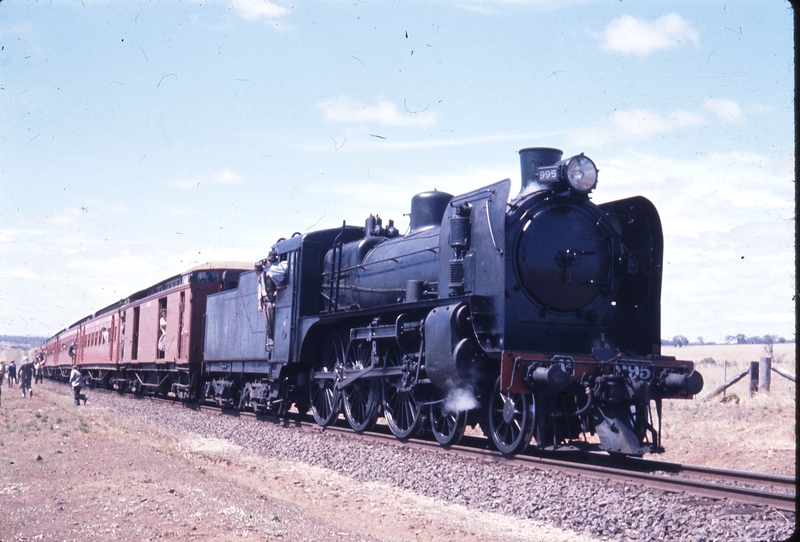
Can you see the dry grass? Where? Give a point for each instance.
(758, 433)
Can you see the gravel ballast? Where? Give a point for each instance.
(602, 509)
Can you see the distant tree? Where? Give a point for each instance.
(741, 338)
(679, 341)
(700, 340)
(769, 341)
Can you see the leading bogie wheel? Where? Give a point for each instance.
(323, 394)
(511, 420)
(361, 399)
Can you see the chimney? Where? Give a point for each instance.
(530, 160)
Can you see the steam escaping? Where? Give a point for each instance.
(460, 400)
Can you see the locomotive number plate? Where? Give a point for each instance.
(548, 174)
(643, 373)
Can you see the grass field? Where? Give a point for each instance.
(757, 433)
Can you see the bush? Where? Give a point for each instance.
(708, 361)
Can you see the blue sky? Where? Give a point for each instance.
(140, 139)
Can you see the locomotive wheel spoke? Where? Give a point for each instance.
(511, 420)
(447, 425)
(323, 396)
(401, 409)
(361, 398)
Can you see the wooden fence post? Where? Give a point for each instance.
(753, 379)
(765, 365)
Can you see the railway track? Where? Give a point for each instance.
(758, 489)
(753, 488)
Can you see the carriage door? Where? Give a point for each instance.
(135, 345)
(183, 331)
(161, 345)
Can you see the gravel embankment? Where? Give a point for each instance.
(601, 509)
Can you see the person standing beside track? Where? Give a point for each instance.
(76, 381)
(11, 371)
(37, 367)
(25, 376)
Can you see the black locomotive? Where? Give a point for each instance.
(536, 318)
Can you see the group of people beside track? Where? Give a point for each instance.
(22, 375)
(29, 371)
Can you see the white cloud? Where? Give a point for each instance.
(225, 177)
(726, 110)
(343, 109)
(760, 108)
(639, 123)
(258, 9)
(636, 124)
(631, 36)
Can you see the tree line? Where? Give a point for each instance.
(741, 338)
(18, 341)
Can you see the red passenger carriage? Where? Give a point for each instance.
(149, 342)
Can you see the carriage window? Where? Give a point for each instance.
(207, 276)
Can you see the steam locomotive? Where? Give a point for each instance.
(536, 318)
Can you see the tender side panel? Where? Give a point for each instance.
(235, 330)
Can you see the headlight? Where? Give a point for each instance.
(581, 173)
(578, 173)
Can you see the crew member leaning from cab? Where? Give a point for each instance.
(268, 285)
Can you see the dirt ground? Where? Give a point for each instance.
(74, 473)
